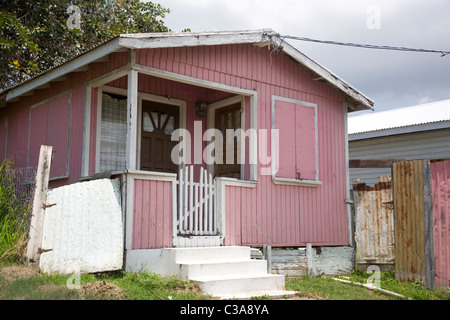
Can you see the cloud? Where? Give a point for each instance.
(391, 79)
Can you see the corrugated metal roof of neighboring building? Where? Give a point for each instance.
(429, 116)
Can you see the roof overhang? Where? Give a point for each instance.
(399, 130)
(355, 99)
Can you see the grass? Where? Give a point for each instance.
(119, 285)
(413, 290)
(328, 288)
(27, 284)
(14, 210)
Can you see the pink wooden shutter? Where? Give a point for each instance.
(285, 123)
(297, 133)
(305, 142)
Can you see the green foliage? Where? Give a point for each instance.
(327, 288)
(37, 35)
(13, 215)
(411, 289)
(134, 286)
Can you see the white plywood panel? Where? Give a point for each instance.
(83, 228)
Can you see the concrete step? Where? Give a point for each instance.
(227, 268)
(210, 254)
(273, 294)
(224, 272)
(238, 286)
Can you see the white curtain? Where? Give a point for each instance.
(113, 133)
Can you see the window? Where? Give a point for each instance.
(296, 122)
(50, 125)
(113, 133)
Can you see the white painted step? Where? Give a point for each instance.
(210, 254)
(240, 285)
(273, 294)
(225, 272)
(228, 268)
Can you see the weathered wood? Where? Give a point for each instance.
(428, 222)
(39, 204)
(373, 163)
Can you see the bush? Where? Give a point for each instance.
(14, 209)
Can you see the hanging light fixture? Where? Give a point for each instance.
(200, 109)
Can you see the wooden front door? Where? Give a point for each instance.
(158, 122)
(228, 118)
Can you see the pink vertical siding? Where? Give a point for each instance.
(3, 127)
(19, 113)
(440, 177)
(291, 215)
(49, 125)
(152, 214)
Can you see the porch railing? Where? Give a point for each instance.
(196, 203)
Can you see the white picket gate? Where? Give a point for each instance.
(196, 203)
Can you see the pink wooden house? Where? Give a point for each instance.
(113, 111)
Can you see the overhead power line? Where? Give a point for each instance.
(365, 46)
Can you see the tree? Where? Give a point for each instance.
(38, 35)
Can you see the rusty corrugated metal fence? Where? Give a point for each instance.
(413, 221)
(415, 233)
(374, 224)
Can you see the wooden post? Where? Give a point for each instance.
(39, 201)
(309, 260)
(132, 122)
(428, 224)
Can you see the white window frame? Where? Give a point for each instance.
(141, 96)
(100, 91)
(69, 121)
(211, 123)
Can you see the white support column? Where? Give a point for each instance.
(86, 131)
(253, 148)
(132, 119)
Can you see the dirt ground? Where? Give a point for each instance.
(89, 290)
(13, 273)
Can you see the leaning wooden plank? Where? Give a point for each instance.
(39, 201)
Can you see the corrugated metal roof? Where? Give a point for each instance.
(429, 113)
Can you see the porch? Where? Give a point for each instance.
(156, 130)
(164, 210)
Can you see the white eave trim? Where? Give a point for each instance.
(327, 75)
(184, 39)
(187, 39)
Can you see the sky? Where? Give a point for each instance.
(392, 79)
